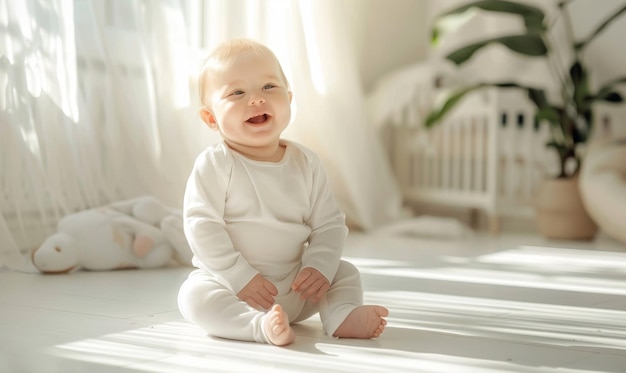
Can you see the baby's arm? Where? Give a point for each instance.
(326, 241)
(204, 225)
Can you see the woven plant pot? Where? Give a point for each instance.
(560, 212)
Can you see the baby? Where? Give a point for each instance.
(260, 217)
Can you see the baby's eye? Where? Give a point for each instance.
(237, 92)
(269, 86)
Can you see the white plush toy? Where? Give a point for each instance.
(137, 233)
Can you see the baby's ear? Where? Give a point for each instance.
(208, 118)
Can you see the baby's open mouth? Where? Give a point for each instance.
(259, 119)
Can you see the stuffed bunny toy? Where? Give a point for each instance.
(137, 233)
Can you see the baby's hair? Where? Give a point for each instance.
(225, 53)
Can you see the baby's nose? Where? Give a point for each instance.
(256, 100)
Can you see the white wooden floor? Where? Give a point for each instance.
(477, 304)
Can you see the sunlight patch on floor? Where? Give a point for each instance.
(526, 266)
(525, 322)
(179, 346)
(559, 260)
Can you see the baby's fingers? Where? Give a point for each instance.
(321, 292)
(264, 300)
(253, 303)
(300, 278)
(314, 290)
(270, 287)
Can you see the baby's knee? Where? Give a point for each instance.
(196, 300)
(198, 308)
(347, 273)
(347, 269)
(189, 301)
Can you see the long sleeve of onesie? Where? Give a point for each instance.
(327, 222)
(205, 228)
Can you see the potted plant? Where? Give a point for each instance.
(570, 119)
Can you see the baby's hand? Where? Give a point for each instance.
(311, 284)
(258, 293)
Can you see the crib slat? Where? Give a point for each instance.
(454, 155)
(436, 154)
(492, 127)
(469, 156)
(445, 155)
(529, 157)
(480, 155)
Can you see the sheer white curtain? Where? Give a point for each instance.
(38, 106)
(95, 108)
(96, 105)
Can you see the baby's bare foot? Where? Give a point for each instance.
(277, 328)
(363, 322)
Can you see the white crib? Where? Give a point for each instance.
(486, 155)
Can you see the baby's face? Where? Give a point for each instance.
(250, 101)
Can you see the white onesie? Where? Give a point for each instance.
(244, 217)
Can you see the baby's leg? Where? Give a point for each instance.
(214, 308)
(343, 312)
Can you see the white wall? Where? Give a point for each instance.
(387, 34)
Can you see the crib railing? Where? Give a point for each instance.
(487, 155)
